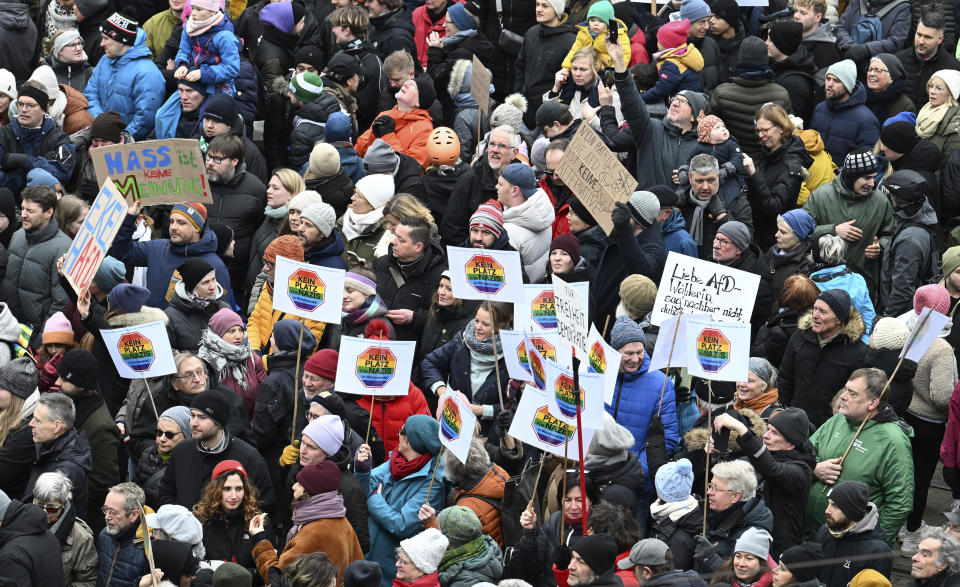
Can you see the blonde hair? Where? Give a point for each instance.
(588, 53)
(291, 180)
(402, 205)
(10, 417)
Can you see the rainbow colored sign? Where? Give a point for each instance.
(597, 358)
(551, 430)
(564, 392)
(376, 366)
(713, 350)
(485, 274)
(306, 289)
(543, 310)
(536, 369)
(136, 351)
(450, 421)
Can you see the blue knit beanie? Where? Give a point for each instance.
(458, 14)
(800, 222)
(128, 297)
(674, 481)
(624, 332)
(422, 434)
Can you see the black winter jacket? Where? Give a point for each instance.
(730, 49)
(752, 261)
(919, 71)
(472, 188)
(227, 539)
(336, 190)
(372, 84)
(408, 178)
(74, 75)
(737, 101)
(925, 159)
(440, 62)
(625, 254)
(70, 455)
(19, 49)
(393, 31)
(544, 49)
(16, 458)
(438, 187)
(273, 413)
(150, 471)
(863, 547)
(411, 288)
(901, 388)
(712, 74)
(239, 204)
(451, 364)
(783, 265)
(268, 230)
(796, 74)
(309, 125)
(774, 187)
(679, 535)
(188, 320)
(29, 553)
(441, 327)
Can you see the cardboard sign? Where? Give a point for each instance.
(924, 332)
(560, 386)
(485, 274)
(717, 350)
(308, 291)
(457, 425)
(703, 287)
(538, 422)
(155, 172)
(538, 311)
(480, 86)
(140, 351)
(604, 360)
(595, 175)
(94, 238)
(571, 308)
(374, 367)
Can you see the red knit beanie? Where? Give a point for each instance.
(323, 363)
(674, 34)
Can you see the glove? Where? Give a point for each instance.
(683, 394)
(363, 466)
(620, 216)
(655, 428)
(16, 161)
(562, 556)
(683, 175)
(290, 454)
(727, 170)
(88, 189)
(856, 53)
(704, 550)
(503, 421)
(950, 476)
(716, 207)
(382, 126)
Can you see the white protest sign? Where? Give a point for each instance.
(485, 274)
(140, 351)
(695, 286)
(602, 359)
(308, 291)
(457, 425)
(923, 336)
(538, 423)
(94, 238)
(717, 350)
(538, 310)
(369, 366)
(560, 386)
(661, 351)
(548, 344)
(571, 308)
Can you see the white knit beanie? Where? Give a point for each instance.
(377, 189)
(8, 84)
(889, 333)
(304, 200)
(321, 215)
(426, 549)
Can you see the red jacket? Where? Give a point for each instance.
(560, 223)
(410, 134)
(390, 414)
(950, 447)
(625, 576)
(422, 27)
(638, 49)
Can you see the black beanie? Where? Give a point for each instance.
(786, 36)
(79, 367)
(853, 499)
(729, 11)
(793, 425)
(668, 196)
(213, 405)
(839, 302)
(803, 561)
(598, 551)
(310, 54)
(428, 94)
(900, 137)
(108, 126)
(299, 11)
(581, 211)
(30, 90)
(193, 271)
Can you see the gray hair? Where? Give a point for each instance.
(740, 477)
(703, 164)
(514, 135)
(478, 462)
(833, 249)
(53, 486)
(60, 407)
(949, 553)
(132, 495)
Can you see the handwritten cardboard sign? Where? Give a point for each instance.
(571, 311)
(480, 85)
(94, 238)
(595, 175)
(702, 287)
(155, 172)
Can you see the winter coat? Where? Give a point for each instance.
(484, 497)
(934, 381)
(48, 146)
(884, 462)
(797, 74)
(949, 448)
(949, 186)
(273, 414)
(543, 52)
(476, 185)
(16, 457)
(713, 72)
(389, 415)
(265, 234)
(130, 85)
(726, 527)
(188, 320)
(840, 277)
(253, 160)
(625, 254)
(19, 50)
(167, 123)
(621, 482)
(895, 27)
(69, 454)
(675, 236)
(863, 547)
(677, 524)
(245, 199)
(327, 252)
(9, 334)
(29, 553)
(783, 265)
(833, 203)
(159, 27)
(730, 49)
(393, 510)
(361, 250)
(822, 44)
(737, 102)
(32, 273)
(334, 536)
(423, 25)
(919, 71)
(450, 365)
(537, 548)
(775, 185)
(227, 539)
(260, 324)
(901, 387)
(122, 558)
(739, 209)
(78, 551)
(678, 72)
(771, 340)
(94, 421)
(586, 39)
(336, 189)
(216, 53)
(946, 137)
(890, 102)
(484, 567)
(822, 170)
(150, 471)
(441, 61)
(906, 263)
(593, 242)
(637, 399)
(925, 159)
(412, 129)
(393, 31)
(412, 288)
(442, 326)
(846, 125)
(308, 128)
(810, 376)
(529, 228)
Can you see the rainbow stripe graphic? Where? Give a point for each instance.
(450, 420)
(543, 310)
(597, 359)
(713, 350)
(563, 391)
(306, 290)
(485, 274)
(136, 351)
(376, 366)
(551, 430)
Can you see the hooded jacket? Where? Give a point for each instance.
(130, 85)
(260, 324)
(48, 146)
(821, 171)
(796, 74)
(598, 42)
(775, 186)
(544, 49)
(309, 127)
(327, 252)
(29, 553)
(625, 254)
(529, 227)
(862, 547)
(846, 125)
(593, 242)
(841, 277)
(69, 454)
(215, 53)
(19, 48)
(822, 45)
(9, 334)
(907, 262)
(31, 279)
(485, 566)
(883, 460)
(737, 101)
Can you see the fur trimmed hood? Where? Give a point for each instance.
(696, 439)
(854, 327)
(459, 80)
(146, 314)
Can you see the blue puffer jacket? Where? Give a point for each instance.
(216, 53)
(122, 560)
(675, 235)
(853, 283)
(846, 125)
(636, 401)
(161, 257)
(351, 163)
(168, 117)
(392, 513)
(130, 85)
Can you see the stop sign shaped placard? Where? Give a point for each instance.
(713, 350)
(306, 290)
(376, 366)
(136, 351)
(485, 274)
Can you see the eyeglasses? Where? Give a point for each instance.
(216, 160)
(722, 241)
(268, 264)
(190, 375)
(74, 45)
(766, 130)
(402, 561)
(167, 434)
(403, 431)
(498, 146)
(877, 70)
(25, 106)
(111, 512)
(680, 100)
(715, 489)
(48, 507)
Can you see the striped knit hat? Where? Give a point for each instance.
(195, 212)
(306, 86)
(359, 283)
(489, 215)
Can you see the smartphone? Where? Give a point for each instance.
(612, 28)
(608, 77)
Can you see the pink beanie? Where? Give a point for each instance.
(58, 330)
(224, 320)
(935, 295)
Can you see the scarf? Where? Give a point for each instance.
(400, 467)
(196, 300)
(322, 506)
(372, 308)
(841, 533)
(223, 356)
(467, 551)
(276, 213)
(930, 117)
(457, 38)
(59, 18)
(356, 225)
(696, 221)
(477, 346)
(673, 509)
(425, 581)
(64, 524)
(760, 402)
(196, 27)
(576, 522)
(221, 446)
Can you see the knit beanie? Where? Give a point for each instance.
(581, 211)
(301, 201)
(380, 158)
(64, 38)
(511, 112)
(612, 439)
(324, 160)
(323, 363)
(284, 246)
(857, 164)
(195, 212)
(753, 53)
(57, 330)
(602, 10)
(458, 14)
(931, 295)
(839, 302)
(221, 108)
(213, 5)
(800, 222)
(459, 524)
(624, 332)
(698, 100)
(120, 28)
(801, 560)
(80, 368)
(846, 72)
(178, 523)
(327, 432)
(568, 244)
(322, 216)
(489, 215)
(644, 207)
(637, 294)
(213, 405)
(339, 128)
(889, 333)
(179, 415)
(19, 377)
(421, 433)
(33, 90)
(755, 541)
(674, 480)
(729, 11)
(320, 477)
(311, 55)
(694, 10)
(737, 232)
(869, 578)
(674, 34)
(232, 575)
(193, 271)
(108, 126)
(331, 402)
(427, 548)
(786, 36)
(128, 297)
(763, 369)
(705, 124)
(306, 86)
(951, 78)
(900, 137)
(362, 574)
(426, 91)
(852, 497)
(223, 320)
(950, 260)
(360, 283)
(8, 85)
(228, 466)
(110, 274)
(377, 189)
(893, 65)
(598, 551)
(793, 425)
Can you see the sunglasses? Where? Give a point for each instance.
(168, 435)
(48, 507)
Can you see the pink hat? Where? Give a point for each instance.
(213, 5)
(58, 330)
(674, 34)
(935, 295)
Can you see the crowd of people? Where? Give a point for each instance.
(812, 143)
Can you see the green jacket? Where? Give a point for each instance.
(483, 568)
(832, 204)
(881, 458)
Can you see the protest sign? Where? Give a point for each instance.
(548, 345)
(480, 85)
(923, 336)
(155, 172)
(368, 366)
(538, 310)
(485, 274)
(308, 291)
(571, 310)
(716, 350)
(602, 359)
(140, 351)
(665, 339)
(701, 287)
(560, 386)
(538, 422)
(457, 425)
(94, 238)
(595, 175)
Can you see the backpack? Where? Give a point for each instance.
(869, 26)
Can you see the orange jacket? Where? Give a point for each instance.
(410, 134)
(490, 487)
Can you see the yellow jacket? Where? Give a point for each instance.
(260, 325)
(823, 169)
(585, 39)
